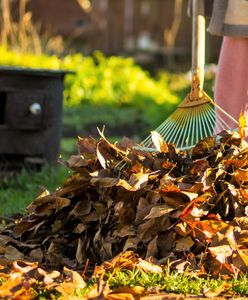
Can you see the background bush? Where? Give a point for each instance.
(111, 91)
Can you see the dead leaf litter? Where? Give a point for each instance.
(165, 206)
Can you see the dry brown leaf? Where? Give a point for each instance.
(147, 230)
(241, 175)
(221, 253)
(131, 244)
(66, 289)
(48, 205)
(80, 253)
(15, 288)
(152, 248)
(120, 296)
(101, 158)
(25, 225)
(12, 253)
(158, 211)
(218, 291)
(242, 126)
(137, 290)
(81, 208)
(148, 267)
(203, 147)
(87, 147)
(37, 254)
(75, 278)
(159, 142)
(242, 259)
(76, 162)
(184, 244)
(139, 180)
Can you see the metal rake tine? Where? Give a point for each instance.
(211, 119)
(171, 124)
(193, 127)
(166, 128)
(173, 131)
(185, 136)
(197, 127)
(225, 113)
(173, 128)
(190, 128)
(202, 130)
(206, 125)
(222, 123)
(182, 135)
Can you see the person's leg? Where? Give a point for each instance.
(231, 84)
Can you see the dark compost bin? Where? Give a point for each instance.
(30, 115)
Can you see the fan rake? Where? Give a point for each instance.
(198, 116)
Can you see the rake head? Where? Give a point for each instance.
(197, 117)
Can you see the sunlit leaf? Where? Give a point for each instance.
(242, 126)
(159, 142)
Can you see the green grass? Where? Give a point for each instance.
(174, 282)
(16, 193)
(118, 121)
(170, 282)
(240, 285)
(20, 190)
(69, 146)
(183, 284)
(2, 280)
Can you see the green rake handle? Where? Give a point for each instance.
(198, 46)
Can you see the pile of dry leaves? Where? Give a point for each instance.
(189, 207)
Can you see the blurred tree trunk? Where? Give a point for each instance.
(170, 34)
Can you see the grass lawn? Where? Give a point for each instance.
(176, 282)
(19, 191)
(16, 193)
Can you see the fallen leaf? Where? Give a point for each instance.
(241, 175)
(159, 142)
(221, 253)
(158, 211)
(148, 267)
(75, 278)
(226, 286)
(184, 244)
(120, 296)
(242, 126)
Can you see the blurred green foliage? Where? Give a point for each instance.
(114, 80)
(28, 60)
(100, 80)
(111, 91)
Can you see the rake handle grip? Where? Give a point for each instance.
(198, 42)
